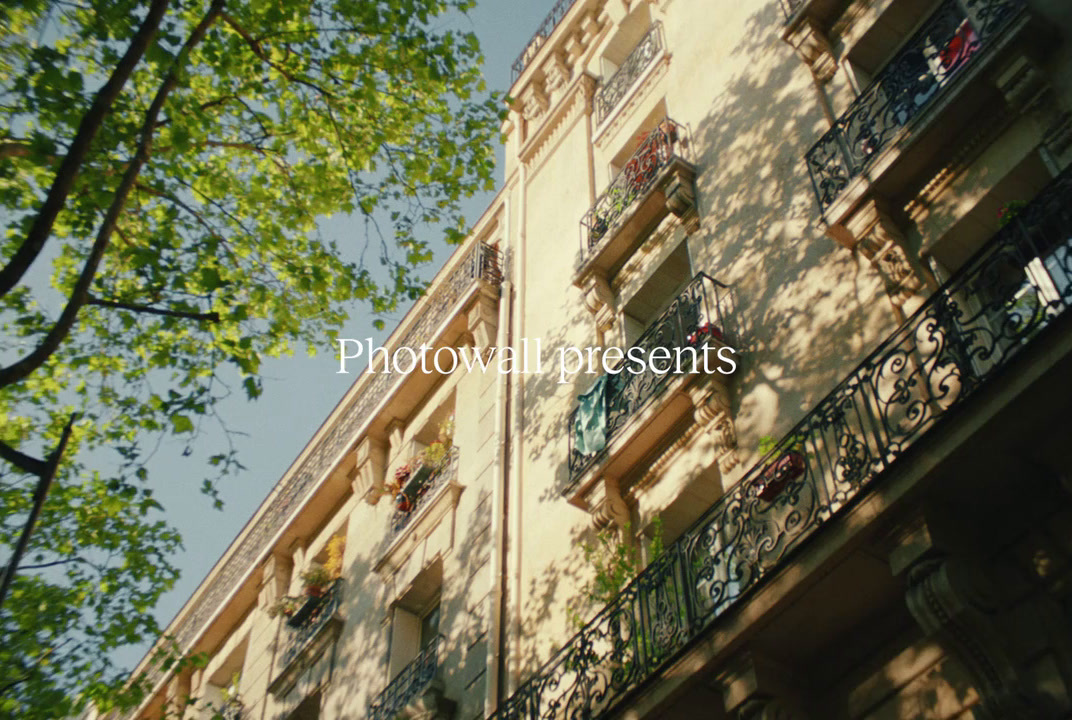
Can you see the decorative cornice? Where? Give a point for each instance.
(575, 104)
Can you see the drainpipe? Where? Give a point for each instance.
(517, 444)
(497, 566)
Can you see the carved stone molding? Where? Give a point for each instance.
(599, 299)
(873, 231)
(811, 43)
(1057, 141)
(950, 600)
(275, 579)
(556, 71)
(681, 197)
(1028, 91)
(370, 463)
(606, 505)
(483, 319)
(534, 100)
(712, 411)
(1007, 631)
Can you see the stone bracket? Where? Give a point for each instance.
(814, 49)
(371, 461)
(606, 505)
(483, 319)
(712, 411)
(873, 231)
(974, 608)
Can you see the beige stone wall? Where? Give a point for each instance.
(808, 305)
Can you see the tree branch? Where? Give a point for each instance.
(80, 293)
(41, 228)
(46, 477)
(150, 310)
(259, 52)
(54, 563)
(21, 460)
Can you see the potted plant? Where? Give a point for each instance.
(316, 579)
(1010, 210)
(598, 229)
(285, 606)
(336, 547)
(231, 707)
(782, 470)
(705, 330)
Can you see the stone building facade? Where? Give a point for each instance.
(866, 514)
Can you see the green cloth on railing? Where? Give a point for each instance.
(590, 425)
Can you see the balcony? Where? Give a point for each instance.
(415, 683)
(889, 111)
(477, 271)
(315, 619)
(655, 181)
(539, 37)
(987, 314)
(427, 499)
(611, 425)
(420, 491)
(614, 90)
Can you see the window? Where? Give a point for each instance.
(415, 620)
(657, 292)
(429, 626)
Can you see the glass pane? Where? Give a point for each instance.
(429, 626)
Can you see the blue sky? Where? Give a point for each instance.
(299, 392)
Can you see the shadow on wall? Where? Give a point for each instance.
(807, 309)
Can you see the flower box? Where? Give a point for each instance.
(788, 467)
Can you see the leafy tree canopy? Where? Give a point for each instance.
(170, 159)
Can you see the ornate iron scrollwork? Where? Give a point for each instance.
(612, 91)
(969, 330)
(307, 623)
(532, 47)
(480, 264)
(693, 316)
(407, 685)
(929, 61)
(638, 175)
(420, 490)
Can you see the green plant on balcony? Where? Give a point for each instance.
(316, 578)
(285, 606)
(614, 563)
(1010, 210)
(421, 468)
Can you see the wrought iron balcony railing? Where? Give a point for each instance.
(983, 317)
(539, 37)
(307, 622)
(481, 264)
(612, 91)
(655, 152)
(420, 489)
(947, 43)
(694, 316)
(407, 685)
